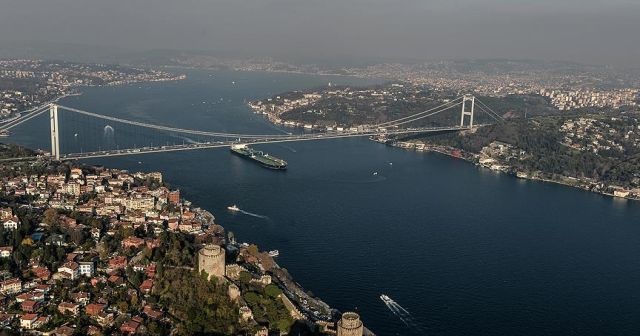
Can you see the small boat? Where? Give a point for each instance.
(385, 299)
(274, 253)
(233, 208)
(375, 173)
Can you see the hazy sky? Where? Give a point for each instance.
(605, 31)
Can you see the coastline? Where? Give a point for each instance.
(199, 222)
(299, 303)
(73, 93)
(473, 158)
(310, 73)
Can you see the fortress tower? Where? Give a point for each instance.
(350, 325)
(211, 260)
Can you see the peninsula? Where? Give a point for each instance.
(591, 142)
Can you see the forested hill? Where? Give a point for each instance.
(12, 151)
(599, 147)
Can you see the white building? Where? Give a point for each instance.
(28, 321)
(71, 268)
(11, 224)
(87, 268)
(5, 251)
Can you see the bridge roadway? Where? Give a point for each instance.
(219, 144)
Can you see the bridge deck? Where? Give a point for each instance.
(219, 144)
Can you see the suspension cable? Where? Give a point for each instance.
(416, 114)
(424, 116)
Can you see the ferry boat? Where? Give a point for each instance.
(233, 208)
(274, 253)
(260, 157)
(385, 298)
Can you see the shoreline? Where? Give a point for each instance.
(267, 71)
(298, 302)
(472, 159)
(74, 93)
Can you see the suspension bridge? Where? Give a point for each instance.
(109, 125)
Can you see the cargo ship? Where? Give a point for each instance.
(260, 157)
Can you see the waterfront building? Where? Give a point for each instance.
(174, 197)
(211, 260)
(350, 325)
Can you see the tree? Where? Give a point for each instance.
(245, 277)
(51, 216)
(272, 291)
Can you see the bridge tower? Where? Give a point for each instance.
(55, 137)
(468, 106)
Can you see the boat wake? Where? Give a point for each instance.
(252, 214)
(402, 314)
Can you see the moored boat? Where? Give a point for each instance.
(274, 253)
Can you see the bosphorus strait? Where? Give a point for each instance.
(461, 249)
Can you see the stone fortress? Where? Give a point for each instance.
(350, 325)
(211, 259)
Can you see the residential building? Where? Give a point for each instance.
(71, 268)
(87, 268)
(5, 251)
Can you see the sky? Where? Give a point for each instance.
(587, 31)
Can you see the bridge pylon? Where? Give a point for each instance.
(468, 106)
(55, 136)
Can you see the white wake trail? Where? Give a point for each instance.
(404, 315)
(397, 313)
(253, 214)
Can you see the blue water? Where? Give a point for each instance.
(464, 250)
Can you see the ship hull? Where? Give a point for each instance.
(261, 159)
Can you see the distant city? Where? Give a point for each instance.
(30, 83)
(569, 85)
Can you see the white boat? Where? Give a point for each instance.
(274, 253)
(385, 299)
(233, 208)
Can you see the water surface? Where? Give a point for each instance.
(464, 250)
